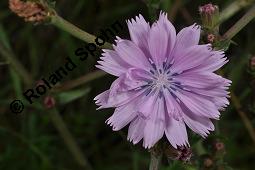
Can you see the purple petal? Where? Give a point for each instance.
(176, 133)
(161, 39)
(112, 63)
(130, 53)
(136, 129)
(155, 125)
(187, 37)
(191, 57)
(173, 108)
(200, 125)
(139, 30)
(122, 116)
(198, 105)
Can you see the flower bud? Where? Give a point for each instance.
(252, 63)
(208, 162)
(219, 146)
(49, 102)
(210, 38)
(209, 15)
(181, 153)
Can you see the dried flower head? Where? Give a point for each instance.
(165, 83)
(30, 11)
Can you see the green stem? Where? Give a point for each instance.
(75, 31)
(68, 139)
(240, 24)
(234, 7)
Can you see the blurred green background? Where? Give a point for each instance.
(31, 141)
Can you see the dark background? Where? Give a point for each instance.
(30, 141)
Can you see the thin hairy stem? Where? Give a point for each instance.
(245, 119)
(240, 24)
(233, 8)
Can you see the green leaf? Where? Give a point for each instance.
(67, 97)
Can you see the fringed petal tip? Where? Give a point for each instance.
(196, 26)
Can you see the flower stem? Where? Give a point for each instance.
(75, 31)
(240, 24)
(68, 139)
(156, 156)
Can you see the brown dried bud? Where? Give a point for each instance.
(30, 11)
(49, 102)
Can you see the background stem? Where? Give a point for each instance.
(75, 31)
(240, 24)
(68, 139)
(234, 7)
(55, 117)
(17, 66)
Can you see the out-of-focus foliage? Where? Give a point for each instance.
(30, 141)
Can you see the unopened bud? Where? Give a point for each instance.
(210, 38)
(252, 63)
(181, 153)
(209, 15)
(49, 102)
(219, 146)
(208, 162)
(30, 11)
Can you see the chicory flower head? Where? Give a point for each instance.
(166, 82)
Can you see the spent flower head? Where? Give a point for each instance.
(31, 11)
(165, 83)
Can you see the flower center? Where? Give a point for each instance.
(161, 80)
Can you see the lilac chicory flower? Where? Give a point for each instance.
(165, 83)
